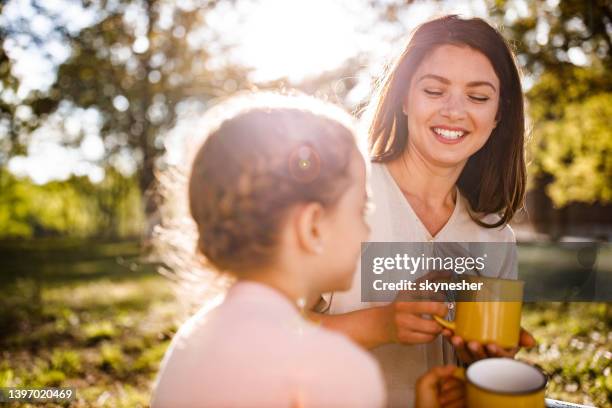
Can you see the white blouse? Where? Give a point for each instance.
(256, 350)
(393, 220)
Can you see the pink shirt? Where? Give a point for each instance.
(256, 350)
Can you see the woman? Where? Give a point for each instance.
(446, 136)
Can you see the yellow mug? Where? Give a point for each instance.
(503, 383)
(489, 321)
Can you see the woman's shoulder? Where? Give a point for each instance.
(377, 171)
(502, 233)
(384, 191)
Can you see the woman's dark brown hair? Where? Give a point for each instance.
(271, 153)
(493, 180)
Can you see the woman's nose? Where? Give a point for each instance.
(453, 107)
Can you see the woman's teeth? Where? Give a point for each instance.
(449, 134)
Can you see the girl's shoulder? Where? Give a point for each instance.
(342, 347)
(328, 353)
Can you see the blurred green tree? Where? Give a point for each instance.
(74, 207)
(566, 50)
(8, 87)
(138, 64)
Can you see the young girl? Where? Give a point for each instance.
(277, 192)
(446, 133)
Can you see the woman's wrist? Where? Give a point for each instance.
(370, 327)
(384, 326)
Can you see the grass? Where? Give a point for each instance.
(574, 349)
(105, 334)
(92, 317)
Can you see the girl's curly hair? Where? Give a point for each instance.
(262, 153)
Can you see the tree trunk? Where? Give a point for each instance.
(147, 139)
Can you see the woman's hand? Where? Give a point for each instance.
(471, 351)
(410, 313)
(438, 388)
(406, 320)
(407, 325)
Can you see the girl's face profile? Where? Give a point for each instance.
(451, 105)
(347, 229)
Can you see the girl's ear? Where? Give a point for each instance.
(309, 227)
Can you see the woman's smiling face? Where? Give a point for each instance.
(451, 105)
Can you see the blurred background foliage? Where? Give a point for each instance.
(139, 75)
(82, 306)
(72, 208)
(569, 104)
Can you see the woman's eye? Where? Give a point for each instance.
(479, 98)
(433, 92)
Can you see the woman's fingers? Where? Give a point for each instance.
(469, 352)
(410, 325)
(411, 337)
(477, 350)
(417, 324)
(430, 308)
(493, 350)
(526, 339)
(447, 333)
(462, 353)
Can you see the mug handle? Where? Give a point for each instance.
(445, 323)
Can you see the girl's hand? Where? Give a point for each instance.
(438, 388)
(407, 324)
(468, 352)
(452, 393)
